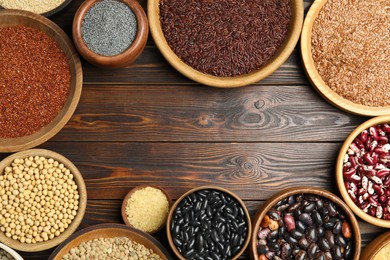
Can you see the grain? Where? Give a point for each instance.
(34, 80)
(116, 248)
(225, 38)
(35, 6)
(351, 49)
(39, 199)
(109, 28)
(147, 209)
(4, 255)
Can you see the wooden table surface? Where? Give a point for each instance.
(148, 124)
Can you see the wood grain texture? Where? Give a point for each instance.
(200, 114)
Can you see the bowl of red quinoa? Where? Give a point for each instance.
(363, 171)
(225, 43)
(345, 49)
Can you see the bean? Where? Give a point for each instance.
(303, 243)
(262, 249)
(296, 234)
(282, 232)
(323, 244)
(301, 255)
(306, 219)
(317, 220)
(320, 231)
(286, 251)
(336, 252)
(330, 237)
(312, 250)
(337, 227)
(309, 208)
(263, 234)
(291, 240)
(300, 226)
(312, 235)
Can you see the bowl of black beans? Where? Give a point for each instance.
(305, 223)
(208, 222)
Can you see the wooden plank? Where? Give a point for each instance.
(152, 68)
(254, 171)
(188, 114)
(108, 211)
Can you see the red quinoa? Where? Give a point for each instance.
(225, 38)
(34, 80)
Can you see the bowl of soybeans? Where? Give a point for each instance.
(225, 44)
(110, 241)
(345, 49)
(43, 200)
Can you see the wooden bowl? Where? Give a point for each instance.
(109, 231)
(263, 210)
(375, 246)
(123, 59)
(55, 10)
(226, 82)
(339, 171)
(128, 196)
(171, 212)
(16, 17)
(12, 252)
(315, 78)
(80, 212)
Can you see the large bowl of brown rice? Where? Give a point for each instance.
(345, 49)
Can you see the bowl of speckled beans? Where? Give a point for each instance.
(110, 33)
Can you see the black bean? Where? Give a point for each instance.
(191, 243)
(301, 255)
(220, 246)
(273, 244)
(311, 197)
(312, 235)
(214, 236)
(282, 208)
(340, 240)
(309, 208)
(214, 255)
(262, 249)
(273, 235)
(286, 250)
(189, 253)
(185, 236)
(337, 227)
(282, 232)
(348, 251)
(330, 237)
(328, 256)
(227, 251)
(317, 220)
(336, 252)
(295, 251)
(320, 231)
(306, 219)
(291, 240)
(282, 202)
(177, 242)
(291, 200)
(312, 250)
(274, 214)
(323, 212)
(199, 242)
(294, 207)
(297, 234)
(303, 243)
(192, 198)
(319, 204)
(297, 213)
(330, 223)
(300, 226)
(299, 197)
(320, 256)
(332, 209)
(323, 244)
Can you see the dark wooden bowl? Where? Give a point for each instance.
(16, 17)
(128, 196)
(375, 246)
(171, 212)
(339, 172)
(307, 190)
(109, 231)
(80, 212)
(123, 59)
(55, 10)
(227, 82)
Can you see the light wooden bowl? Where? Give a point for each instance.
(123, 59)
(315, 78)
(80, 212)
(172, 210)
(128, 196)
(12, 252)
(306, 190)
(339, 171)
(226, 82)
(55, 10)
(15, 17)
(109, 231)
(375, 246)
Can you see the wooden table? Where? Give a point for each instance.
(148, 124)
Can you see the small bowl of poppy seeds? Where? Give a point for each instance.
(305, 223)
(110, 33)
(208, 222)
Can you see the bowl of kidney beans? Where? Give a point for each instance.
(208, 222)
(363, 171)
(305, 223)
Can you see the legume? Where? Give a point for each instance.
(351, 49)
(225, 38)
(209, 224)
(35, 6)
(147, 209)
(4, 255)
(109, 27)
(367, 171)
(34, 80)
(117, 248)
(304, 226)
(39, 199)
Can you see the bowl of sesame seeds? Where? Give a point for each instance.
(46, 8)
(345, 49)
(225, 43)
(40, 80)
(110, 33)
